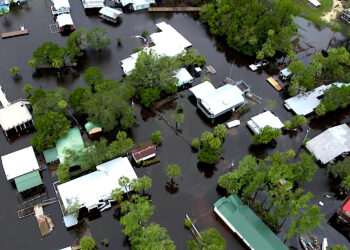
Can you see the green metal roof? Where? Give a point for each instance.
(72, 140)
(247, 224)
(50, 155)
(27, 181)
(90, 125)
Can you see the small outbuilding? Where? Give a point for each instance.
(314, 3)
(285, 74)
(93, 4)
(184, 77)
(330, 144)
(143, 153)
(257, 123)
(110, 14)
(93, 129)
(215, 102)
(136, 4)
(64, 23)
(344, 210)
(60, 7)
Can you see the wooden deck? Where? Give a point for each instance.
(211, 70)
(173, 9)
(274, 83)
(15, 33)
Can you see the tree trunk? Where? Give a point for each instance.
(76, 121)
(330, 41)
(285, 218)
(256, 193)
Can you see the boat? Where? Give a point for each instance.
(233, 123)
(306, 243)
(324, 244)
(274, 83)
(258, 65)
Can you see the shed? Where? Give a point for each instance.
(257, 123)
(184, 77)
(214, 102)
(244, 222)
(28, 181)
(72, 140)
(64, 22)
(285, 74)
(93, 128)
(94, 187)
(330, 144)
(144, 153)
(110, 14)
(19, 163)
(314, 3)
(305, 103)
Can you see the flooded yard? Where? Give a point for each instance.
(197, 186)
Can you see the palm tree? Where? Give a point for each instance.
(335, 28)
(14, 71)
(63, 105)
(4, 13)
(173, 171)
(179, 117)
(27, 89)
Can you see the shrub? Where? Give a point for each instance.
(204, 79)
(87, 243)
(145, 33)
(180, 108)
(266, 135)
(195, 143)
(119, 40)
(136, 49)
(188, 223)
(157, 137)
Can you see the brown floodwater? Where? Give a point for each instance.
(196, 190)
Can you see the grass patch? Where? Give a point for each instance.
(315, 14)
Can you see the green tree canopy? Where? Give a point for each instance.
(97, 38)
(153, 74)
(87, 243)
(173, 171)
(154, 237)
(50, 127)
(252, 27)
(266, 135)
(211, 239)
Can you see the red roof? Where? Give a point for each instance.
(144, 151)
(346, 205)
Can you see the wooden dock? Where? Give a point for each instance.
(173, 9)
(211, 70)
(30, 210)
(274, 83)
(253, 97)
(20, 32)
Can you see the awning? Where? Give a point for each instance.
(27, 181)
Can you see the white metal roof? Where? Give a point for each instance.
(223, 98)
(91, 188)
(285, 72)
(262, 120)
(3, 100)
(315, 3)
(183, 76)
(110, 12)
(58, 4)
(138, 4)
(304, 104)
(64, 19)
(90, 4)
(331, 143)
(14, 114)
(19, 163)
(202, 89)
(168, 42)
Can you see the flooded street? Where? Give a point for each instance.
(197, 185)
